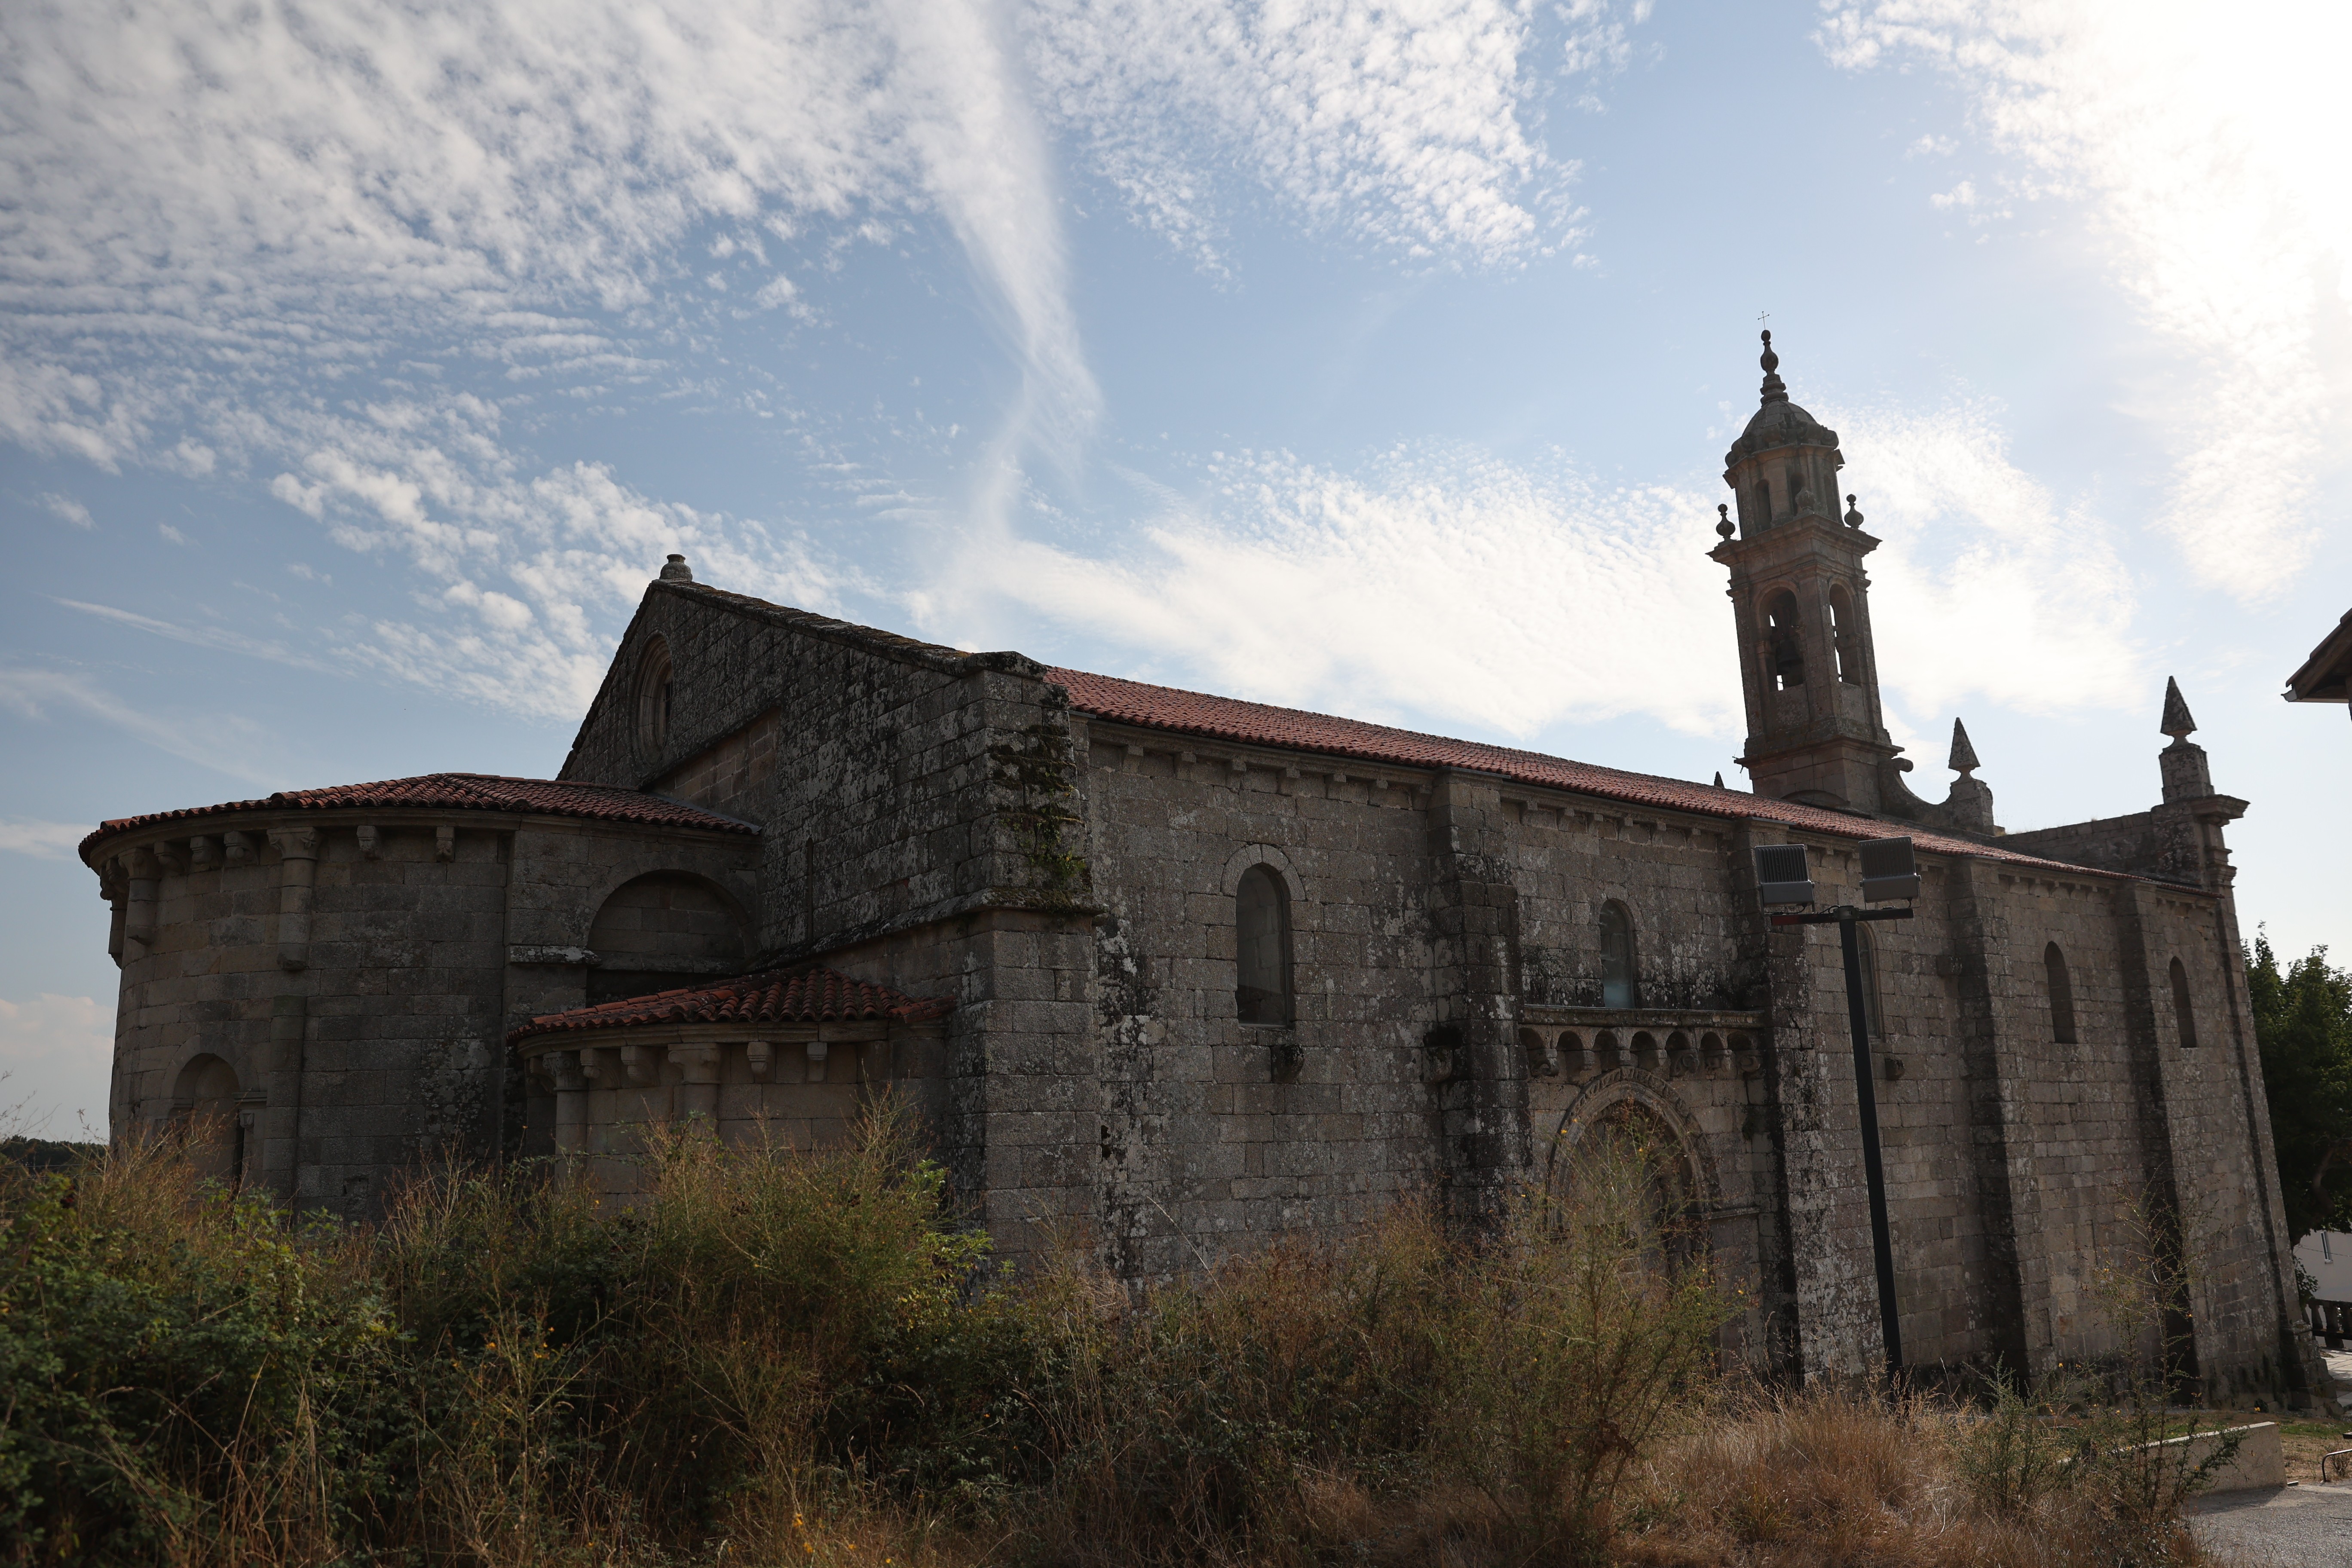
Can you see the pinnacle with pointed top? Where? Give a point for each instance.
(1719, 778)
(2177, 722)
(1964, 756)
(1775, 389)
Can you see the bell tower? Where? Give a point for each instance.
(1800, 602)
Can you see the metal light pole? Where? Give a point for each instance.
(1888, 871)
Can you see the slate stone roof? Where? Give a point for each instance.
(801, 997)
(461, 791)
(1258, 723)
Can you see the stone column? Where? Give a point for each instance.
(298, 868)
(571, 1102)
(1472, 1057)
(281, 1159)
(2001, 1128)
(696, 1094)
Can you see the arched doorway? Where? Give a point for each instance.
(1627, 1145)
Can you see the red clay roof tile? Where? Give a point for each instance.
(461, 792)
(801, 997)
(1258, 723)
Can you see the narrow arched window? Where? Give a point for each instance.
(1785, 650)
(1874, 1020)
(654, 680)
(2184, 1015)
(1262, 947)
(1844, 636)
(2062, 996)
(1618, 986)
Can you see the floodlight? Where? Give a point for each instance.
(1781, 875)
(1889, 870)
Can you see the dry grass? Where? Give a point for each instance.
(785, 1358)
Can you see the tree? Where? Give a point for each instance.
(2302, 1022)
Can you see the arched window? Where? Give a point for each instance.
(1872, 1018)
(654, 680)
(660, 931)
(2062, 996)
(1620, 987)
(1785, 662)
(2184, 1015)
(1262, 947)
(206, 1096)
(1844, 636)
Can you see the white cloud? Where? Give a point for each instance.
(56, 1054)
(43, 840)
(1439, 585)
(1985, 588)
(1400, 125)
(2207, 148)
(168, 534)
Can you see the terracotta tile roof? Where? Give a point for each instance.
(1258, 723)
(461, 791)
(802, 997)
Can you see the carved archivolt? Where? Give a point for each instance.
(1609, 1095)
(1267, 855)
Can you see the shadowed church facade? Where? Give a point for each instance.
(1195, 973)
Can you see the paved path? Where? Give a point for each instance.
(2281, 1527)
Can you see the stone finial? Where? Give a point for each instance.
(1964, 756)
(1775, 389)
(2177, 722)
(676, 571)
(1853, 513)
(1723, 525)
(1719, 778)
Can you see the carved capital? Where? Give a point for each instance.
(296, 843)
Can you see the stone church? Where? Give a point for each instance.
(1191, 973)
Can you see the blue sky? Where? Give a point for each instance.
(358, 363)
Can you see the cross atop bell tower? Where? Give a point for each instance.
(1800, 602)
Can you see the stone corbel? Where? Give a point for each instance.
(237, 848)
(371, 842)
(298, 868)
(444, 842)
(171, 854)
(204, 852)
(638, 1063)
(698, 1088)
(761, 1057)
(816, 1055)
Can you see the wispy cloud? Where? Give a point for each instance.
(225, 742)
(2210, 157)
(220, 637)
(42, 841)
(67, 507)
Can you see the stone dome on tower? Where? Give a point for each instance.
(1777, 422)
